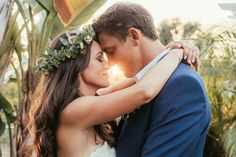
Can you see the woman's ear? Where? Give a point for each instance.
(134, 35)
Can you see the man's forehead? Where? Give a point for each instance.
(106, 43)
(107, 38)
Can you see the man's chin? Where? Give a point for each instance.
(129, 74)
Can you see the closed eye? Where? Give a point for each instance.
(100, 57)
(109, 49)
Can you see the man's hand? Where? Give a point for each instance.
(191, 52)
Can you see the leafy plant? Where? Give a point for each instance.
(29, 26)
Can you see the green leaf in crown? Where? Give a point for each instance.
(72, 47)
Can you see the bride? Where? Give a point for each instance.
(73, 116)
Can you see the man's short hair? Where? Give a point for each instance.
(118, 18)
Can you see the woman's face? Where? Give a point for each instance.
(96, 74)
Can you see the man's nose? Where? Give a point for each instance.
(111, 62)
(107, 65)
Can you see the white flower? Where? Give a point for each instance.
(73, 39)
(81, 44)
(88, 39)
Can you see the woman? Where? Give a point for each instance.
(68, 120)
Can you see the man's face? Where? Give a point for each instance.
(123, 53)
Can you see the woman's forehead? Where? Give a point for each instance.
(95, 48)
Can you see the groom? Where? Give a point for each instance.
(174, 123)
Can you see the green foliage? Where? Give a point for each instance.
(40, 25)
(165, 34)
(229, 143)
(217, 46)
(174, 29)
(218, 55)
(73, 46)
(5, 107)
(7, 110)
(190, 29)
(10, 91)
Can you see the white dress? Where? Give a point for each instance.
(104, 151)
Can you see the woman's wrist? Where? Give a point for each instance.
(178, 53)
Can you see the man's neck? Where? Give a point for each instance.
(150, 50)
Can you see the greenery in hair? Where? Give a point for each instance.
(73, 46)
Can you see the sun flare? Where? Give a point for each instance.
(115, 74)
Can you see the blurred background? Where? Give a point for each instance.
(27, 26)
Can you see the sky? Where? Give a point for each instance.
(204, 11)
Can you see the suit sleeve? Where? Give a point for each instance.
(177, 119)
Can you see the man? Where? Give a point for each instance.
(174, 123)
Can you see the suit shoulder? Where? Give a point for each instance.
(184, 71)
(184, 77)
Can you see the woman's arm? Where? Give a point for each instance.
(189, 51)
(87, 111)
(113, 88)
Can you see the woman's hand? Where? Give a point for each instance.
(179, 53)
(103, 91)
(191, 52)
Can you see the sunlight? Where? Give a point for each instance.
(204, 11)
(115, 70)
(115, 74)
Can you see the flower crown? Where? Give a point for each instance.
(72, 47)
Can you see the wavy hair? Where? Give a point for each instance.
(57, 90)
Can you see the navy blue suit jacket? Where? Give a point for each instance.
(173, 124)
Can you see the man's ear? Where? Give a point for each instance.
(134, 35)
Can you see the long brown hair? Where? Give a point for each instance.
(59, 89)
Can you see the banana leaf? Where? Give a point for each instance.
(2, 127)
(73, 13)
(6, 107)
(5, 9)
(7, 44)
(56, 21)
(68, 10)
